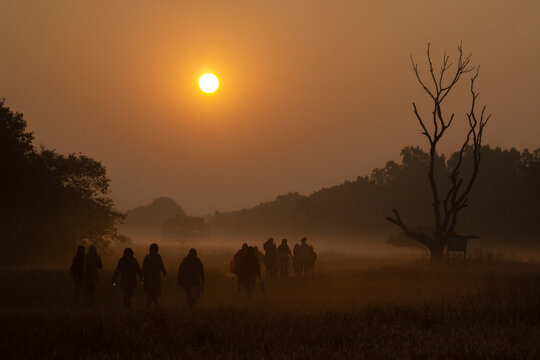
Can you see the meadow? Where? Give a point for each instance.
(352, 307)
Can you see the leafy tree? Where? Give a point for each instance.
(50, 202)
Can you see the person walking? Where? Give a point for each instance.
(151, 274)
(270, 258)
(307, 257)
(249, 271)
(284, 256)
(311, 262)
(77, 273)
(297, 261)
(259, 254)
(191, 277)
(93, 264)
(128, 270)
(237, 260)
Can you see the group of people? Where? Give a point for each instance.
(246, 265)
(247, 261)
(84, 271)
(278, 260)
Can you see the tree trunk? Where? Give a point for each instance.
(437, 253)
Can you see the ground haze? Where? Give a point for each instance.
(352, 307)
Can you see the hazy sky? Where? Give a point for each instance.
(312, 92)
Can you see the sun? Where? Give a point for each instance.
(208, 83)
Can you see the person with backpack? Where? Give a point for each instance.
(249, 271)
(237, 260)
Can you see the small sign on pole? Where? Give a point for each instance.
(457, 243)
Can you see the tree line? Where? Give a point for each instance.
(504, 203)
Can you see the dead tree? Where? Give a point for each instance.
(446, 210)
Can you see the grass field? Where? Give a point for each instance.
(351, 308)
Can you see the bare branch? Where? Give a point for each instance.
(426, 132)
(462, 68)
(445, 66)
(456, 184)
(476, 129)
(420, 237)
(415, 69)
(431, 69)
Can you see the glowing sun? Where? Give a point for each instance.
(208, 83)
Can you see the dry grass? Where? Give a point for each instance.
(352, 308)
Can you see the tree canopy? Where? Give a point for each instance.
(50, 202)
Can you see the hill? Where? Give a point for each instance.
(148, 219)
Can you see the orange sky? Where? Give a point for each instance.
(312, 92)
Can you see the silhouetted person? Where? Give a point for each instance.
(259, 254)
(151, 273)
(191, 277)
(270, 258)
(248, 271)
(128, 269)
(77, 272)
(297, 261)
(93, 264)
(311, 261)
(306, 257)
(237, 258)
(284, 256)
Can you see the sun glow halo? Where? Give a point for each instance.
(208, 83)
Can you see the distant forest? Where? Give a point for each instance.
(504, 203)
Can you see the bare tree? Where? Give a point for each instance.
(446, 210)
